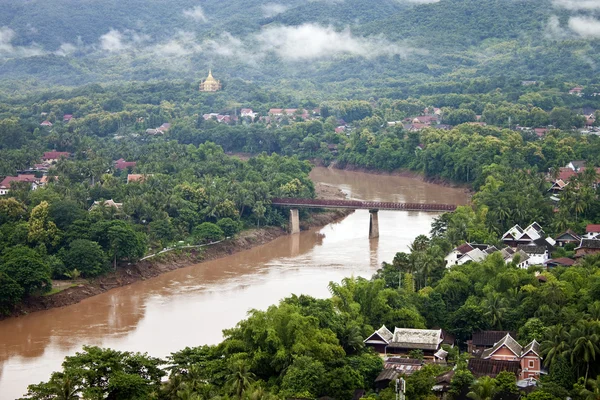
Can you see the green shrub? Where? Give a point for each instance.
(207, 232)
(229, 226)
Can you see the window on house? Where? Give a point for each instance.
(531, 363)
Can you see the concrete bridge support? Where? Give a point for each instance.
(373, 224)
(294, 224)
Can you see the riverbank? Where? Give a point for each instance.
(74, 292)
(406, 173)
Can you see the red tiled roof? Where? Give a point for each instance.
(562, 261)
(592, 228)
(122, 164)
(464, 248)
(55, 155)
(566, 173)
(6, 182)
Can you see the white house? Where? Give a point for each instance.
(538, 255)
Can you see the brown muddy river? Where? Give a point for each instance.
(191, 306)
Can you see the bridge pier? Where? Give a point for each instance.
(373, 224)
(294, 225)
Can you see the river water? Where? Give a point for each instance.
(191, 306)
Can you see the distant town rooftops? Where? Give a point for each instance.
(122, 164)
(55, 155)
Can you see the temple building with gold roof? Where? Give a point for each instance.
(210, 84)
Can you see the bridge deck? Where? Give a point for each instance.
(357, 204)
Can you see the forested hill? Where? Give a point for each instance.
(317, 44)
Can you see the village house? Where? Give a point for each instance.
(576, 165)
(592, 231)
(509, 254)
(491, 367)
(577, 91)
(32, 180)
(508, 349)
(558, 186)
(225, 119)
(393, 368)
(161, 130)
(559, 262)
(46, 123)
(484, 340)
(568, 237)
(442, 384)
(533, 234)
(164, 127)
(67, 118)
(540, 132)
(121, 164)
(53, 156)
(469, 252)
(538, 254)
(587, 247)
(247, 112)
(106, 203)
(137, 177)
(404, 340)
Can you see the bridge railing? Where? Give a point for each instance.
(358, 204)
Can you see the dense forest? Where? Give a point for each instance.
(349, 49)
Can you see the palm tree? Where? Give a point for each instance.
(594, 310)
(556, 345)
(240, 379)
(591, 391)
(494, 304)
(585, 342)
(483, 389)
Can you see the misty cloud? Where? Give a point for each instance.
(196, 13)
(66, 49)
(183, 44)
(273, 9)
(554, 31)
(116, 41)
(311, 41)
(586, 27)
(7, 49)
(577, 4)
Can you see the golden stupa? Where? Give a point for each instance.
(210, 84)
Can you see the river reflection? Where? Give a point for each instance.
(191, 306)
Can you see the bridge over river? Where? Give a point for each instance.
(372, 206)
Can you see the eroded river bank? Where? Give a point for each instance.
(190, 306)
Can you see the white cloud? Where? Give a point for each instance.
(66, 49)
(7, 49)
(273, 9)
(311, 41)
(183, 44)
(586, 27)
(116, 41)
(553, 30)
(196, 13)
(113, 41)
(421, 1)
(577, 4)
